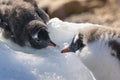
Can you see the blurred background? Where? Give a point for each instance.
(104, 12)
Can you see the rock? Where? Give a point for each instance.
(65, 8)
(109, 15)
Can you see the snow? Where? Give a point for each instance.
(26, 63)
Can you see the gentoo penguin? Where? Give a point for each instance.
(22, 22)
(99, 50)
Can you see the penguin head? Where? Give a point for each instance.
(76, 44)
(38, 35)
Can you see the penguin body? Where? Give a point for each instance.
(99, 50)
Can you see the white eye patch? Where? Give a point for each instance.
(76, 38)
(35, 36)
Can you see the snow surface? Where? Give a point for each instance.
(26, 63)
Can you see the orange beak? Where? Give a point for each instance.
(65, 50)
(50, 43)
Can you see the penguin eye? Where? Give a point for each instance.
(43, 34)
(76, 44)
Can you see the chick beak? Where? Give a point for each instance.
(50, 43)
(65, 50)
